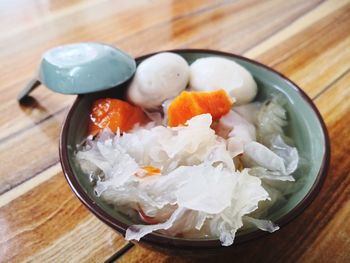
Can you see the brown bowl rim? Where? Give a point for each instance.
(163, 241)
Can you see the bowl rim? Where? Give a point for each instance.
(161, 240)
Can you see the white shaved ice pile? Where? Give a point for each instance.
(208, 185)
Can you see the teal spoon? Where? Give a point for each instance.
(81, 68)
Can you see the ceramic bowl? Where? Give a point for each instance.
(305, 126)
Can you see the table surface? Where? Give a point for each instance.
(40, 218)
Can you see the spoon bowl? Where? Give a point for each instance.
(82, 68)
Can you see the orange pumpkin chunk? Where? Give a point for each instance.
(114, 114)
(192, 103)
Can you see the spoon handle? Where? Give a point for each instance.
(32, 84)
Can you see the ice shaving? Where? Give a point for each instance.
(188, 152)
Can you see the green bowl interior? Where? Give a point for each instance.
(303, 127)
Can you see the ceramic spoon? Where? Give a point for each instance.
(81, 68)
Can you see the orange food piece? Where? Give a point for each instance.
(114, 114)
(147, 171)
(192, 103)
(151, 170)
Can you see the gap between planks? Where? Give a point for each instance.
(28, 185)
(120, 252)
(346, 72)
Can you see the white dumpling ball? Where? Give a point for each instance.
(158, 78)
(213, 73)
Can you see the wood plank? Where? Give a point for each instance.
(325, 9)
(30, 152)
(13, 21)
(311, 57)
(138, 254)
(28, 185)
(18, 118)
(329, 245)
(50, 224)
(334, 102)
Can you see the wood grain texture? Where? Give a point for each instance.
(40, 218)
(48, 222)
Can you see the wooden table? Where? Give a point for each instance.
(40, 218)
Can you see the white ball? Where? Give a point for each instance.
(158, 78)
(213, 73)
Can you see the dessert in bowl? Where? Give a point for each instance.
(214, 149)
